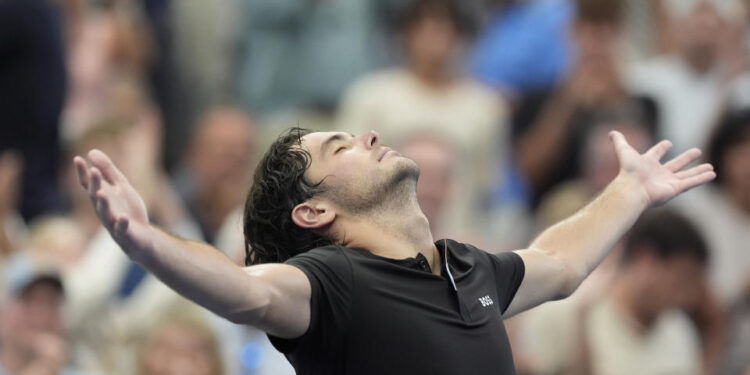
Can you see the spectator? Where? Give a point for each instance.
(32, 334)
(131, 129)
(430, 95)
(113, 300)
(597, 161)
(635, 327)
(640, 323)
(104, 135)
(247, 350)
(645, 24)
(181, 344)
(302, 54)
(547, 126)
(736, 359)
(32, 89)
(507, 53)
(728, 202)
(598, 165)
(111, 51)
(437, 161)
(198, 63)
(217, 167)
(59, 238)
(690, 85)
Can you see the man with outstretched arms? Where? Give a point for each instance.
(346, 277)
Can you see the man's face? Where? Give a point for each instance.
(432, 40)
(597, 45)
(222, 150)
(358, 173)
(677, 282)
(180, 349)
(35, 313)
(700, 33)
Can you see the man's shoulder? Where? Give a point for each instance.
(463, 256)
(331, 258)
(459, 248)
(469, 256)
(321, 253)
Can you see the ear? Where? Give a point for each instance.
(313, 214)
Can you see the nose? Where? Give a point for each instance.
(371, 139)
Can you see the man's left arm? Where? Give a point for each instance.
(561, 257)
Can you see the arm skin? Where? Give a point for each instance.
(562, 256)
(273, 297)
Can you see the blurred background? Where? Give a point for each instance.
(504, 104)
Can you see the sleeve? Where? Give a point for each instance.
(509, 271)
(330, 274)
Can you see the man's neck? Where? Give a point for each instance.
(399, 232)
(432, 76)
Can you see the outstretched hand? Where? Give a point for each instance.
(660, 182)
(118, 206)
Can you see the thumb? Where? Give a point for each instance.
(621, 145)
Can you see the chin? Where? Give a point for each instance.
(405, 169)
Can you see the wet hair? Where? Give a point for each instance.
(279, 184)
(733, 130)
(667, 234)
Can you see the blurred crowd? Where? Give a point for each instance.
(504, 104)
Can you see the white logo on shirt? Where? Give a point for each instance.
(485, 301)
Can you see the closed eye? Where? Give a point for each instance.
(339, 149)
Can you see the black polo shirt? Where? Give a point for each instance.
(375, 315)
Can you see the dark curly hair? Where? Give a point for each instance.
(669, 235)
(279, 184)
(733, 129)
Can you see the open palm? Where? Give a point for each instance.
(119, 207)
(661, 182)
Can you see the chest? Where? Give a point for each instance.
(428, 323)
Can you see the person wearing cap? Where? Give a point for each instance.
(31, 324)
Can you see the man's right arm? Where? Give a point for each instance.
(272, 297)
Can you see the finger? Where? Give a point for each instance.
(695, 171)
(621, 145)
(660, 149)
(95, 183)
(696, 180)
(683, 159)
(102, 206)
(110, 173)
(83, 174)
